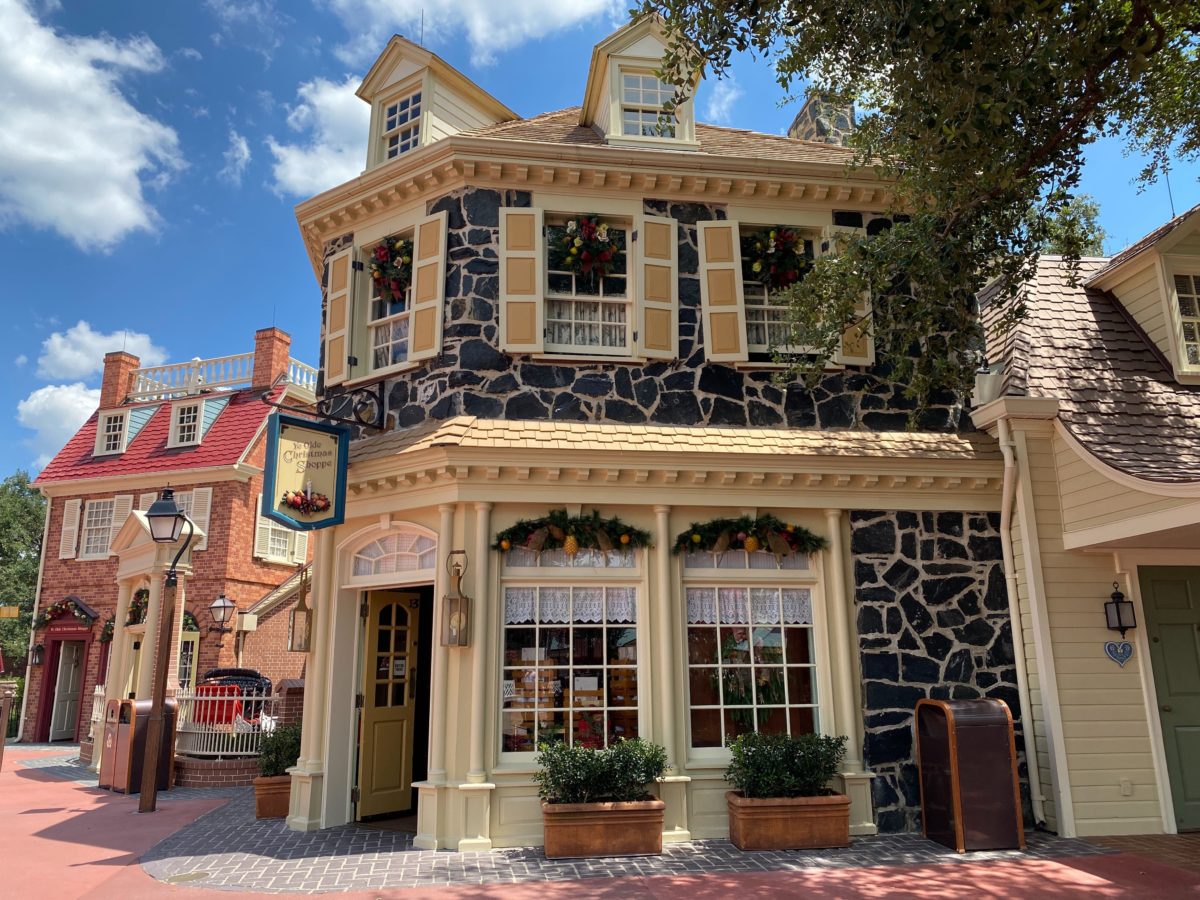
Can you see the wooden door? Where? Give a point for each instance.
(1171, 597)
(388, 704)
(66, 691)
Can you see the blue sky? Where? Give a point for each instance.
(152, 154)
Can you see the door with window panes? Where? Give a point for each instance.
(388, 703)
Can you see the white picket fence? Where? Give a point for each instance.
(221, 724)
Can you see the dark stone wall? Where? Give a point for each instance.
(472, 376)
(932, 615)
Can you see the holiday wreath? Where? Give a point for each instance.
(138, 605)
(778, 257)
(747, 533)
(306, 502)
(60, 608)
(106, 630)
(391, 268)
(560, 530)
(586, 246)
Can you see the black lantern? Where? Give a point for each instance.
(456, 608)
(35, 658)
(1118, 612)
(300, 620)
(166, 518)
(221, 610)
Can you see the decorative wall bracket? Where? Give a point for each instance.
(362, 406)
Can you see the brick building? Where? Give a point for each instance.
(199, 428)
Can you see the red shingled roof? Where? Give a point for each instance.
(223, 445)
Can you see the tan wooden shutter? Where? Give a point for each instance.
(857, 346)
(522, 275)
(122, 506)
(338, 316)
(299, 546)
(145, 500)
(202, 512)
(429, 287)
(658, 288)
(722, 301)
(69, 536)
(262, 531)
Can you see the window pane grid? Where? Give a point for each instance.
(1187, 292)
(570, 666)
(114, 433)
(643, 97)
(586, 310)
(389, 326)
(750, 662)
(187, 424)
(402, 125)
(97, 528)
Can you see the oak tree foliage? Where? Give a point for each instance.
(22, 516)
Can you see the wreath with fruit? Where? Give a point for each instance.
(587, 247)
(559, 530)
(138, 604)
(776, 257)
(748, 533)
(391, 268)
(307, 503)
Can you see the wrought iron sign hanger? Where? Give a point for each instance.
(365, 407)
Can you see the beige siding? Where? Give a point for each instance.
(451, 113)
(1188, 246)
(1141, 294)
(1104, 724)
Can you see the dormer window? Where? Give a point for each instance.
(110, 433)
(185, 424)
(402, 125)
(643, 96)
(1187, 293)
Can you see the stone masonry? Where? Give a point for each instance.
(932, 614)
(473, 377)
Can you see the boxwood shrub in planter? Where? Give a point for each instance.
(273, 788)
(595, 802)
(781, 801)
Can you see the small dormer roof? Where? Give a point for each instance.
(620, 41)
(400, 49)
(1161, 239)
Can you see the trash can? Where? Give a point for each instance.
(131, 746)
(108, 745)
(6, 700)
(970, 795)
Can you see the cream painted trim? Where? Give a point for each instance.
(1125, 564)
(1187, 489)
(104, 414)
(1127, 269)
(1043, 643)
(1171, 265)
(154, 480)
(1015, 408)
(1132, 527)
(177, 407)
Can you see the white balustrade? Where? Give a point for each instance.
(184, 379)
(216, 721)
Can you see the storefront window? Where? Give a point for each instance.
(570, 666)
(750, 662)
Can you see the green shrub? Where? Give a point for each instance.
(280, 750)
(778, 765)
(587, 775)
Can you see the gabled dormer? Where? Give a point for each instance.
(417, 99)
(624, 98)
(1157, 281)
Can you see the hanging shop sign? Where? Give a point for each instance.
(304, 484)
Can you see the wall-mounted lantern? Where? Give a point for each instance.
(221, 610)
(35, 658)
(300, 620)
(456, 608)
(1118, 612)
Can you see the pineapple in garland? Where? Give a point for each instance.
(571, 544)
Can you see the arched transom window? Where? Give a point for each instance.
(402, 552)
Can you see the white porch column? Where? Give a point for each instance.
(664, 627)
(438, 702)
(150, 638)
(480, 640)
(118, 659)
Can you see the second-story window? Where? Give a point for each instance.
(185, 427)
(587, 286)
(642, 98)
(111, 434)
(773, 259)
(402, 125)
(390, 300)
(1187, 294)
(97, 529)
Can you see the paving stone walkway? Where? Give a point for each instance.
(229, 849)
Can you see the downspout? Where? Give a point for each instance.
(1008, 494)
(37, 601)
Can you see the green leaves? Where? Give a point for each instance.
(619, 774)
(778, 765)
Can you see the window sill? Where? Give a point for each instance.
(380, 374)
(275, 560)
(91, 558)
(548, 357)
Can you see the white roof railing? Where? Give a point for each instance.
(221, 372)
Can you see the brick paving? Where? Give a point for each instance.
(1182, 850)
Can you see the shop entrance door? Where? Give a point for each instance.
(389, 703)
(1171, 597)
(65, 712)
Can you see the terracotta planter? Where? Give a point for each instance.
(272, 795)
(603, 829)
(788, 823)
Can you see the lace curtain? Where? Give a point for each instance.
(555, 605)
(738, 605)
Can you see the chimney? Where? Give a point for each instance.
(823, 118)
(271, 348)
(119, 367)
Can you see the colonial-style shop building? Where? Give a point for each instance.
(197, 427)
(568, 321)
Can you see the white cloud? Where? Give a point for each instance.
(334, 124)
(54, 413)
(490, 26)
(721, 99)
(21, 361)
(74, 152)
(191, 53)
(79, 351)
(237, 157)
(253, 23)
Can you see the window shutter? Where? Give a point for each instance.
(144, 500)
(299, 546)
(262, 531)
(69, 535)
(658, 294)
(722, 301)
(338, 312)
(201, 509)
(429, 288)
(122, 505)
(857, 346)
(522, 273)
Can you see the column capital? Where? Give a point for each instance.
(660, 509)
(483, 505)
(445, 507)
(834, 513)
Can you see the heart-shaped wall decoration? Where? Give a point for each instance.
(1119, 652)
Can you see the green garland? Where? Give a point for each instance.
(138, 606)
(106, 630)
(591, 532)
(60, 608)
(763, 533)
(189, 622)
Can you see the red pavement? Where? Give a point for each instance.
(61, 840)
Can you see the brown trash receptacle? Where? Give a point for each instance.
(6, 701)
(108, 747)
(131, 746)
(970, 795)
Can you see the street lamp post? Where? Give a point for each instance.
(166, 521)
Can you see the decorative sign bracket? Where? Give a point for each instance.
(361, 406)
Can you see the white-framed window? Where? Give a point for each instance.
(402, 125)
(741, 559)
(586, 558)
(96, 533)
(388, 314)
(585, 311)
(569, 665)
(750, 661)
(1187, 296)
(643, 95)
(185, 424)
(767, 328)
(189, 652)
(407, 551)
(110, 433)
(275, 543)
